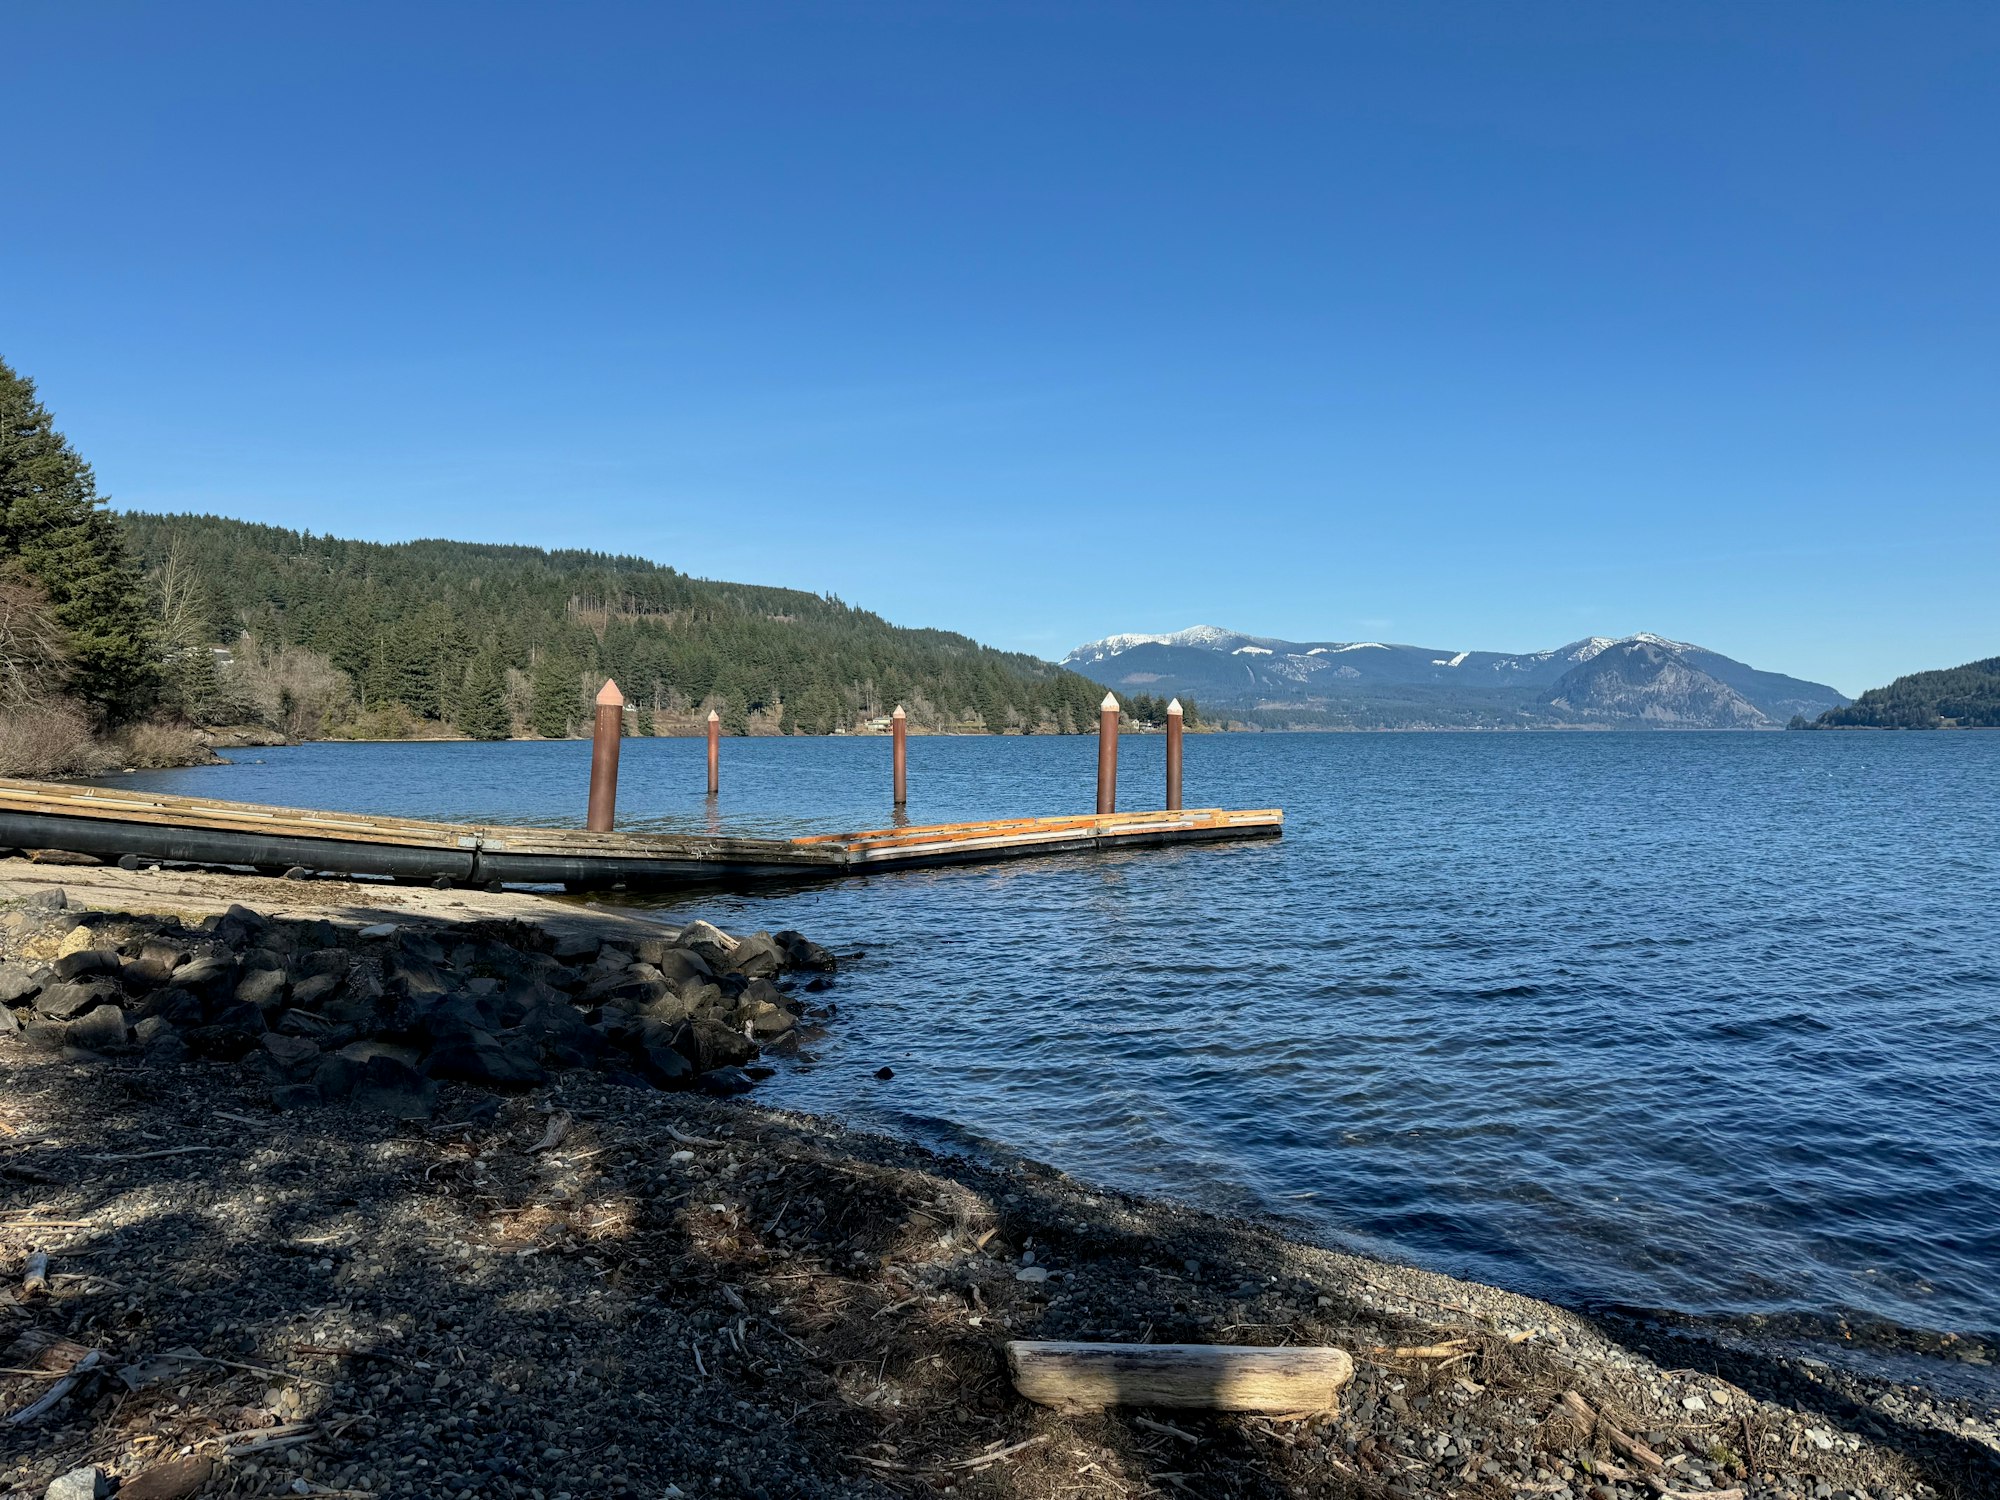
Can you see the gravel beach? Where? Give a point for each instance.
(249, 1274)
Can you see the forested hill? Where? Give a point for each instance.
(497, 639)
(1966, 697)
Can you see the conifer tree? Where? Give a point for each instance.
(52, 522)
(482, 704)
(553, 706)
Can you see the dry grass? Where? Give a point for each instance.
(151, 747)
(51, 739)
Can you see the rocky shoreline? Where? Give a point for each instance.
(451, 1273)
(379, 1013)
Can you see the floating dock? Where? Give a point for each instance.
(113, 823)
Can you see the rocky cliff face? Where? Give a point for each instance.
(1647, 683)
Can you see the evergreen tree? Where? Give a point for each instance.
(482, 702)
(52, 522)
(554, 706)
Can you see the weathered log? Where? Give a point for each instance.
(1218, 1377)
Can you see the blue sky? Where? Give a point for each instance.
(1469, 326)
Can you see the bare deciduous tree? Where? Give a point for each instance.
(32, 659)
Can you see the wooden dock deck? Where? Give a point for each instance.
(112, 822)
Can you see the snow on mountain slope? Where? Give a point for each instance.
(1379, 683)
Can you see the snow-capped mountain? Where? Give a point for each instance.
(1640, 679)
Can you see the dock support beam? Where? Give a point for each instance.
(899, 729)
(714, 752)
(603, 805)
(1175, 723)
(1107, 756)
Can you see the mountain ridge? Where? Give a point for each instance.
(1646, 681)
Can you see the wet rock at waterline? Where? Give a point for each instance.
(376, 1017)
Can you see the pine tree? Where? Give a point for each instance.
(53, 522)
(553, 709)
(482, 703)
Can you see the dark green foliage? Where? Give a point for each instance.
(1966, 697)
(556, 701)
(52, 522)
(1149, 711)
(402, 621)
(481, 712)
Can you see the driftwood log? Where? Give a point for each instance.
(1218, 1377)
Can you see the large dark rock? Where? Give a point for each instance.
(20, 983)
(456, 1016)
(682, 967)
(240, 926)
(756, 957)
(168, 1050)
(310, 993)
(726, 1081)
(263, 988)
(709, 1044)
(175, 1006)
(88, 962)
(657, 1059)
(576, 946)
(480, 1057)
(420, 945)
(65, 1002)
(168, 956)
(335, 961)
(379, 1076)
(359, 1001)
(409, 976)
(767, 1020)
(235, 1029)
(209, 975)
(801, 952)
(102, 1030)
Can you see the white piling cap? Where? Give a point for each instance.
(899, 714)
(714, 717)
(608, 696)
(1109, 702)
(1174, 707)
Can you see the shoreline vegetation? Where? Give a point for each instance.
(577, 1286)
(1966, 697)
(140, 641)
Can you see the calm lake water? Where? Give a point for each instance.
(1708, 1023)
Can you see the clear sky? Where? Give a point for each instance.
(1458, 324)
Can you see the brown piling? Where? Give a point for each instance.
(603, 805)
(1107, 755)
(899, 724)
(1174, 726)
(714, 752)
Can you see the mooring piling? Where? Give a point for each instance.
(1107, 755)
(1175, 717)
(899, 732)
(610, 724)
(714, 752)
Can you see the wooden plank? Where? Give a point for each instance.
(807, 855)
(1217, 1377)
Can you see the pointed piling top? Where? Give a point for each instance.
(714, 717)
(1174, 708)
(608, 696)
(1109, 702)
(899, 714)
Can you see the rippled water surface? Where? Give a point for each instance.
(1700, 1022)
